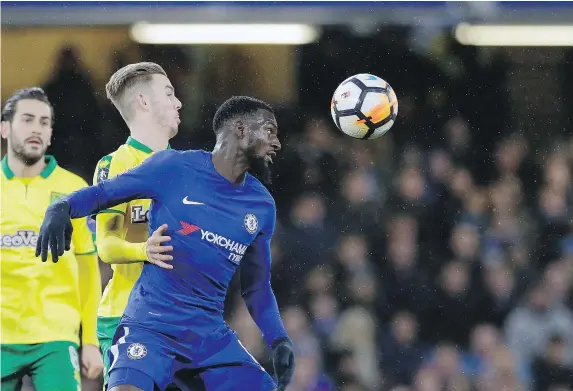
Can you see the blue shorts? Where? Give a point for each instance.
(151, 361)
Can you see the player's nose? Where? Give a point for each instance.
(178, 104)
(276, 144)
(36, 131)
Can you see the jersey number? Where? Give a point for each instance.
(138, 214)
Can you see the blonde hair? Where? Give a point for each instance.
(126, 78)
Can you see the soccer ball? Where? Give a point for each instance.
(364, 106)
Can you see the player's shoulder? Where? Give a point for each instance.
(195, 157)
(198, 155)
(103, 167)
(122, 156)
(66, 180)
(106, 160)
(167, 156)
(255, 186)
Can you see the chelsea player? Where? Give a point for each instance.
(220, 217)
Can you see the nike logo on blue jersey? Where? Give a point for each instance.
(187, 202)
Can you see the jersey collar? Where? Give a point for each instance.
(51, 165)
(140, 146)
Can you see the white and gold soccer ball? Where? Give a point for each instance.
(364, 106)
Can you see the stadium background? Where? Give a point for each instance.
(439, 257)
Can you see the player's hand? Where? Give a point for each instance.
(283, 362)
(55, 232)
(155, 250)
(92, 362)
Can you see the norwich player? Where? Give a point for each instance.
(43, 306)
(145, 98)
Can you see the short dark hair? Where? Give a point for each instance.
(236, 106)
(35, 93)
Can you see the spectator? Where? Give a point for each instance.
(550, 368)
(401, 354)
(529, 327)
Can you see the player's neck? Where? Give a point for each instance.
(21, 170)
(229, 163)
(154, 140)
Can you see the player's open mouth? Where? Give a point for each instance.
(269, 157)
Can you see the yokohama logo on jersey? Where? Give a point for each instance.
(236, 249)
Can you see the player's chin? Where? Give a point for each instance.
(260, 167)
(31, 158)
(33, 153)
(173, 131)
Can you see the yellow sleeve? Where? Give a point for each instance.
(110, 239)
(90, 296)
(89, 277)
(82, 237)
(111, 246)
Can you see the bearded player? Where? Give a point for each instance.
(42, 307)
(146, 100)
(220, 218)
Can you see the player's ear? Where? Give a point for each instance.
(240, 129)
(142, 101)
(5, 129)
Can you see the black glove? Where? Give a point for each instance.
(283, 362)
(56, 231)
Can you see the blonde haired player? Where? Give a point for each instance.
(43, 306)
(146, 100)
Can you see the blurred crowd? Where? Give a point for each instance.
(416, 277)
(437, 258)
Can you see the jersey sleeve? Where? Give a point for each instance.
(111, 245)
(144, 181)
(89, 275)
(256, 285)
(90, 296)
(82, 238)
(108, 167)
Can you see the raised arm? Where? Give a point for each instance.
(262, 304)
(140, 182)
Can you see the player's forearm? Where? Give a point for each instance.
(112, 247)
(264, 310)
(90, 295)
(114, 250)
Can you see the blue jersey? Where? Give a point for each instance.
(215, 227)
